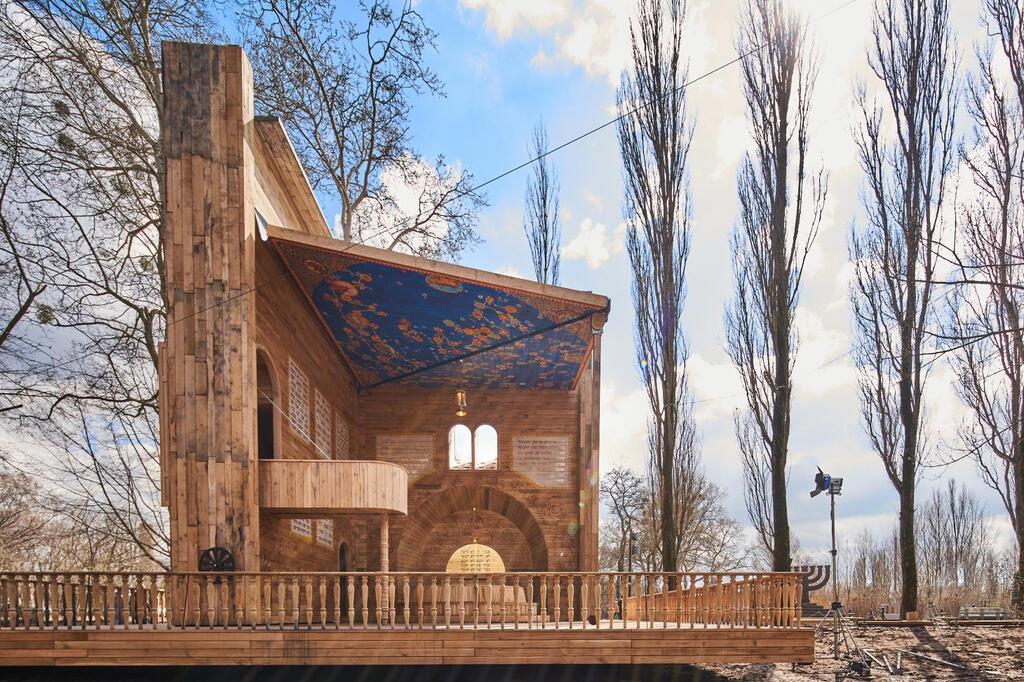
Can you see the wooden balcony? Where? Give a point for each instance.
(400, 618)
(324, 486)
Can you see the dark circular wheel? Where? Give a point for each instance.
(216, 560)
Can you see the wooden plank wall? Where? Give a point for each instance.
(428, 647)
(208, 407)
(287, 328)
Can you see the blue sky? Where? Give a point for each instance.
(507, 65)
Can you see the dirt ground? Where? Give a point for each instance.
(982, 652)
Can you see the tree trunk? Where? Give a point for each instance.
(1017, 591)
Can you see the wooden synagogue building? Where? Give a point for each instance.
(366, 456)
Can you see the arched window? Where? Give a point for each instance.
(485, 447)
(460, 447)
(472, 449)
(266, 396)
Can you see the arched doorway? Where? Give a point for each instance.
(343, 558)
(266, 397)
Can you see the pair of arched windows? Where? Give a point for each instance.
(472, 449)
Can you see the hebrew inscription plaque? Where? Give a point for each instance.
(544, 459)
(414, 452)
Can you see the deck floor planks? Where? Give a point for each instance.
(401, 647)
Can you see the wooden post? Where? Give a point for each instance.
(589, 445)
(208, 400)
(385, 561)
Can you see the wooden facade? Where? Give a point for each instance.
(237, 315)
(342, 420)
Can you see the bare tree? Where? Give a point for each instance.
(90, 183)
(19, 277)
(985, 328)
(894, 250)
(21, 525)
(541, 222)
(344, 91)
(775, 232)
(624, 494)
(757, 485)
(654, 141)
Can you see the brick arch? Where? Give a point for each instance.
(443, 504)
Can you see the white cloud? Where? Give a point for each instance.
(590, 34)
(623, 427)
(593, 244)
(716, 388)
(507, 19)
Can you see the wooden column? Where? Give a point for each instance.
(384, 543)
(385, 563)
(588, 464)
(207, 405)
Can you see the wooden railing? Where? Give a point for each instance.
(399, 600)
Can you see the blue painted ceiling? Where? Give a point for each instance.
(389, 320)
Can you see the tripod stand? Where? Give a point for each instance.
(859, 663)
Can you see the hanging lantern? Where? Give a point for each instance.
(460, 401)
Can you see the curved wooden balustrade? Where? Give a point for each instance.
(400, 600)
(329, 486)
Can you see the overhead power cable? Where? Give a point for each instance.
(525, 164)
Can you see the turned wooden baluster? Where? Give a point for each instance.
(281, 613)
(502, 600)
(378, 592)
(321, 588)
(557, 598)
(54, 602)
(268, 603)
(516, 603)
(584, 600)
(307, 586)
(419, 600)
(571, 601)
(447, 597)
(364, 593)
(609, 591)
(637, 598)
(489, 609)
(389, 582)
(67, 590)
(350, 592)
(224, 594)
(543, 601)
(406, 610)
(5, 600)
(476, 601)
(433, 600)
(650, 600)
(529, 603)
(251, 598)
(462, 602)
(336, 595)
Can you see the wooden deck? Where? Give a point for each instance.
(75, 619)
(168, 646)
